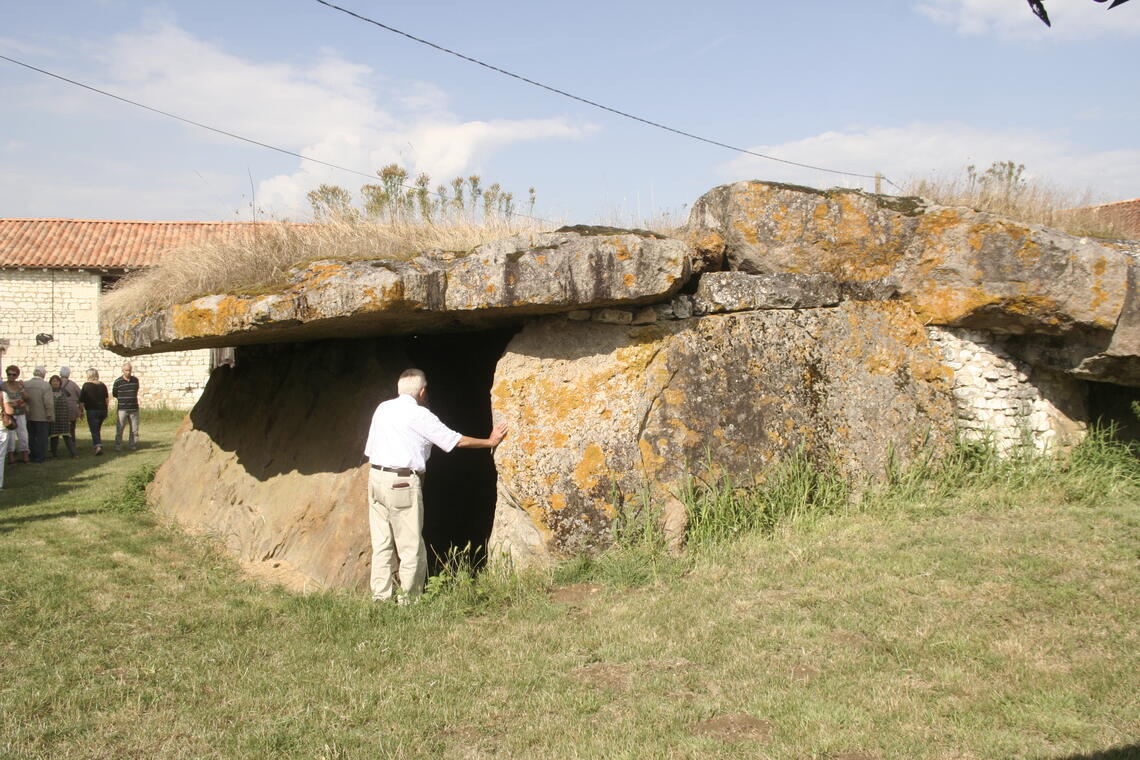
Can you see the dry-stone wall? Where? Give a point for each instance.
(1001, 399)
(65, 304)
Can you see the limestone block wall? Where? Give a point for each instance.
(30, 298)
(999, 397)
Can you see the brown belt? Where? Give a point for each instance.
(403, 472)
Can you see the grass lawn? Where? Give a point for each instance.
(1000, 622)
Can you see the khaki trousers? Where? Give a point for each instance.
(396, 521)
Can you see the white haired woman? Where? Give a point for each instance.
(93, 398)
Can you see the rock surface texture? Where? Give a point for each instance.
(956, 267)
(499, 282)
(604, 414)
(270, 461)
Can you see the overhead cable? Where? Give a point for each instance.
(227, 133)
(588, 102)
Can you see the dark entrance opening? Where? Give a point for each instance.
(460, 486)
(1114, 405)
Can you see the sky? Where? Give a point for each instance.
(910, 89)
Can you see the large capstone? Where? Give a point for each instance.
(955, 266)
(496, 283)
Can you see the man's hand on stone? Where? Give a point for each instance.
(498, 433)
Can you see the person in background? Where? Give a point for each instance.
(41, 412)
(71, 393)
(5, 420)
(61, 425)
(125, 389)
(5, 432)
(14, 395)
(93, 398)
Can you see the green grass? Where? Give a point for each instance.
(980, 609)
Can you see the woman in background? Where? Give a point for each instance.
(61, 425)
(5, 432)
(93, 398)
(14, 395)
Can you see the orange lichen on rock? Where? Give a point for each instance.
(934, 224)
(318, 272)
(944, 305)
(591, 467)
(226, 314)
(651, 461)
(706, 241)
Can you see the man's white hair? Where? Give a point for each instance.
(40, 371)
(411, 382)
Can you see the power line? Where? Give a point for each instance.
(588, 102)
(184, 119)
(234, 135)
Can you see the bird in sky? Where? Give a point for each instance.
(1038, 7)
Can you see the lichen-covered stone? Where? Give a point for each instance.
(498, 282)
(603, 414)
(954, 266)
(738, 291)
(1119, 362)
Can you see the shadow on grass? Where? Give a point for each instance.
(9, 524)
(1130, 752)
(57, 487)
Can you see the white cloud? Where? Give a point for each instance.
(922, 150)
(332, 109)
(1072, 19)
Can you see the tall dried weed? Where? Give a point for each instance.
(259, 257)
(1004, 189)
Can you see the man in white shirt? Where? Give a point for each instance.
(399, 443)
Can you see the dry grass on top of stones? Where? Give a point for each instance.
(1006, 190)
(260, 257)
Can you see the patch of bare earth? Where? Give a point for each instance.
(734, 727)
(575, 594)
(605, 675)
(278, 572)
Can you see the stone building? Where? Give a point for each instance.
(52, 274)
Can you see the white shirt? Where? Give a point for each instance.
(402, 434)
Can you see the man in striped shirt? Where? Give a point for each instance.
(125, 389)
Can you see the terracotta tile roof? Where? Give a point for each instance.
(100, 243)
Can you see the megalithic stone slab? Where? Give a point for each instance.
(496, 283)
(955, 266)
(604, 415)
